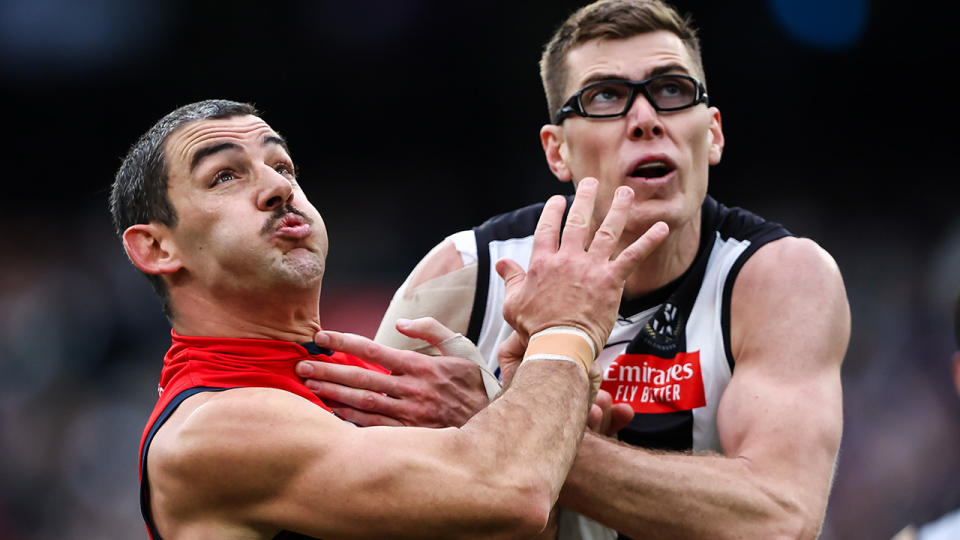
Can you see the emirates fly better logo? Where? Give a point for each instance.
(651, 384)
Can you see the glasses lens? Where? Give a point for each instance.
(607, 98)
(672, 92)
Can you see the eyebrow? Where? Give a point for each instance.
(659, 70)
(225, 146)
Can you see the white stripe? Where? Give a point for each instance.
(547, 356)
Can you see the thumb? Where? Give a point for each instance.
(511, 272)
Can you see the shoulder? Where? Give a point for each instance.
(790, 293)
(464, 248)
(739, 223)
(231, 422)
(518, 223)
(218, 441)
(790, 266)
(446, 257)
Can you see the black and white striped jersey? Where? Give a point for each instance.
(669, 353)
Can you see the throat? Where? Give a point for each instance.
(271, 318)
(665, 265)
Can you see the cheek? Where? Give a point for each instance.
(302, 204)
(590, 149)
(323, 241)
(221, 236)
(703, 137)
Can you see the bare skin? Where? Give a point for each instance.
(250, 462)
(790, 325)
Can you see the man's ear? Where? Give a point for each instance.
(150, 249)
(555, 150)
(716, 132)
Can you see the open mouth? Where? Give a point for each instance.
(656, 168)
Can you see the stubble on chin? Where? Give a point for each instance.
(301, 268)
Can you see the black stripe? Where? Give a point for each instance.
(672, 431)
(480, 289)
(741, 224)
(164, 416)
(516, 224)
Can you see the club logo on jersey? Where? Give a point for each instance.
(663, 330)
(651, 384)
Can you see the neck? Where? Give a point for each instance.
(668, 262)
(294, 318)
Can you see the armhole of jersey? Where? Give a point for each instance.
(161, 419)
(516, 224)
(482, 238)
(755, 244)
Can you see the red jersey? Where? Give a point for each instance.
(211, 364)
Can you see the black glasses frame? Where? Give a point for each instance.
(574, 106)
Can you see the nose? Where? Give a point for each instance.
(643, 121)
(276, 190)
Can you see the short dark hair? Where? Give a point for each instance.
(611, 19)
(139, 193)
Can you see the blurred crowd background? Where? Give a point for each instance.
(412, 119)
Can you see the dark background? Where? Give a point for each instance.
(411, 120)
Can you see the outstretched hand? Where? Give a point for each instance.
(573, 280)
(420, 390)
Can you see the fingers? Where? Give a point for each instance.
(606, 417)
(577, 227)
(357, 377)
(362, 418)
(599, 416)
(641, 248)
(606, 238)
(426, 328)
(603, 400)
(546, 237)
(512, 347)
(621, 414)
(509, 355)
(370, 403)
(595, 418)
(364, 348)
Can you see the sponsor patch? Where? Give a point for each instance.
(651, 384)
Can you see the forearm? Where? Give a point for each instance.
(668, 495)
(500, 474)
(532, 432)
(497, 476)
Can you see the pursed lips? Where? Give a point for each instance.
(289, 224)
(293, 226)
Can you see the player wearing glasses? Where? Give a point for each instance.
(724, 365)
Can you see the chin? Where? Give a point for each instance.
(646, 213)
(301, 267)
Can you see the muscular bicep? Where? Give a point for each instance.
(263, 458)
(782, 411)
(441, 286)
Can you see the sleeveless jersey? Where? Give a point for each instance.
(668, 355)
(209, 364)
